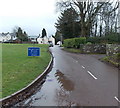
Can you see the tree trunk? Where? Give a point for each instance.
(83, 31)
(95, 28)
(100, 30)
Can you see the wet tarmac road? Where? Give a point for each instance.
(77, 80)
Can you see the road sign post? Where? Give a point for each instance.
(33, 51)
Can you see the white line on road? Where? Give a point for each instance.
(83, 67)
(117, 99)
(92, 75)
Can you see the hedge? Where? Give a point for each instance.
(74, 42)
(112, 38)
(95, 40)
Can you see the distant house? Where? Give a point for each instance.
(7, 37)
(33, 38)
(46, 40)
(59, 43)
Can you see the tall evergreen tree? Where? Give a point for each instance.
(21, 35)
(44, 33)
(67, 24)
(57, 37)
(25, 36)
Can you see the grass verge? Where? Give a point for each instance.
(18, 70)
(113, 60)
(72, 50)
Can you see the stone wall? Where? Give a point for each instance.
(93, 48)
(112, 49)
(108, 49)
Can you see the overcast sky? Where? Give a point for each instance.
(31, 15)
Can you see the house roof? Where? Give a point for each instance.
(5, 34)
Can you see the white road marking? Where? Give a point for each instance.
(83, 67)
(92, 75)
(117, 99)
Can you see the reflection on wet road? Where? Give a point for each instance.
(64, 82)
(69, 84)
(53, 92)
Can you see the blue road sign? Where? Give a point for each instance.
(33, 51)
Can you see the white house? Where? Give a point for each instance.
(33, 38)
(6, 37)
(51, 39)
(46, 40)
(59, 43)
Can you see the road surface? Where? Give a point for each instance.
(77, 80)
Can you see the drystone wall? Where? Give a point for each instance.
(112, 49)
(93, 49)
(108, 49)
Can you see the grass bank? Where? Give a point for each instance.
(113, 60)
(72, 50)
(18, 70)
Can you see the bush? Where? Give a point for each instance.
(88, 43)
(79, 41)
(96, 40)
(111, 38)
(74, 42)
(68, 43)
(118, 56)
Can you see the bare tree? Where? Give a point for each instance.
(108, 18)
(88, 12)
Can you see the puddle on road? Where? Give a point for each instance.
(64, 81)
(54, 92)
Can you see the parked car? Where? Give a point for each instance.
(50, 44)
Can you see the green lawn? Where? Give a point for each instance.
(18, 70)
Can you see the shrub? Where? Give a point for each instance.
(78, 41)
(74, 42)
(111, 38)
(89, 43)
(118, 56)
(96, 40)
(68, 43)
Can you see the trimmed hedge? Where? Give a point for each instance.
(74, 42)
(68, 43)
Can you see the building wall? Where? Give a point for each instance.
(46, 40)
(6, 37)
(52, 40)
